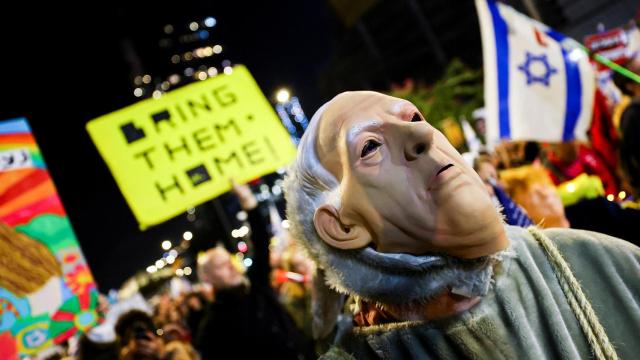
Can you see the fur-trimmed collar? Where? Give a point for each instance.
(396, 279)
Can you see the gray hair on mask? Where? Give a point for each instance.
(308, 186)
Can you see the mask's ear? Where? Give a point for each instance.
(337, 234)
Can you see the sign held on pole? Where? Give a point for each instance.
(176, 152)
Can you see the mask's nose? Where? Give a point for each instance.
(418, 140)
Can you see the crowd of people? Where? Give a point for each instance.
(259, 311)
(266, 310)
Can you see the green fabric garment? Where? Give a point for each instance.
(526, 314)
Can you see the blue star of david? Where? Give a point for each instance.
(533, 77)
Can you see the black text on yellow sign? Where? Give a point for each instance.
(179, 151)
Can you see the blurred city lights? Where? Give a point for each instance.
(244, 230)
(173, 253)
(226, 63)
(210, 22)
(247, 262)
(166, 245)
(217, 49)
(242, 246)
(168, 29)
(571, 188)
(160, 264)
(241, 215)
(212, 71)
(138, 92)
(170, 259)
(283, 95)
(276, 190)
(187, 271)
(203, 34)
(157, 94)
(228, 70)
(151, 269)
(286, 224)
(610, 197)
(622, 195)
(179, 272)
(165, 85)
(146, 79)
(137, 80)
(193, 26)
(202, 75)
(174, 79)
(175, 59)
(188, 235)
(188, 71)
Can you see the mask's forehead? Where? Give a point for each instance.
(347, 112)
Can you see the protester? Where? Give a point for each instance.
(137, 337)
(565, 161)
(294, 287)
(531, 187)
(392, 214)
(246, 318)
(513, 213)
(630, 127)
(90, 350)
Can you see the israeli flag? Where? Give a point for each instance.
(539, 84)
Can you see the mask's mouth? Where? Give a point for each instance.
(434, 179)
(444, 168)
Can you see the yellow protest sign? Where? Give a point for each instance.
(176, 152)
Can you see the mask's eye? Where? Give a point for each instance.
(416, 118)
(369, 147)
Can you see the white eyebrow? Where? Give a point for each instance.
(359, 128)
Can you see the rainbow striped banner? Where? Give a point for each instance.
(47, 292)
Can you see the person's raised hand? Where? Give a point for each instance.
(245, 196)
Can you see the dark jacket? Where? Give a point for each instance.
(630, 144)
(249, 322)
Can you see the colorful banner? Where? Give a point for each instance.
(178, 151)
(42, 271)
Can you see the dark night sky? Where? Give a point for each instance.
(64, 65)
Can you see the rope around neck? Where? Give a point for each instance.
(593, 330)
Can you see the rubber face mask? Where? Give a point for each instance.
(403, 187)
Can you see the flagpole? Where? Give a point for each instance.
(612, 65)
